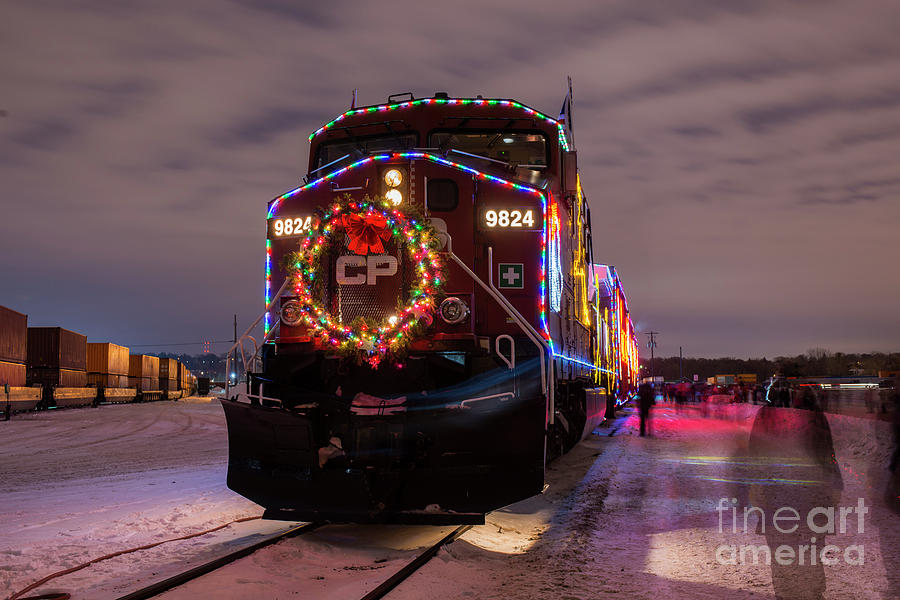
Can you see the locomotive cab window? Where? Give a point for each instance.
(332, 151)
(525, 150)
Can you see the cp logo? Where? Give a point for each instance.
(380, 265)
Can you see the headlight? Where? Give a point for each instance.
(393, 177)
(394, 197)
(453, 310)
(291, 315)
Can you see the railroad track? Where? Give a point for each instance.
(379, 592)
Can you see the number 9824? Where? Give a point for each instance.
(509, 218)
(291, 226)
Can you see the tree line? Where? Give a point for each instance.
(816, 362)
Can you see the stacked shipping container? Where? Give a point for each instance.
(14, 396)
(143, 372)
(168, 374)
(107, 367)
(13, 335)
(56, 359)
(65, 370)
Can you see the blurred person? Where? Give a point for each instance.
(784, 396)
(797, 468)
(869, 399)
(806, 399)
(821, 397)
(885, 515)
(758, 394)
(646, 395)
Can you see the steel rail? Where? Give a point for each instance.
(403, 574)
(379, 592)
(159, 587)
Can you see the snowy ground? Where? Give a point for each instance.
(624, 516)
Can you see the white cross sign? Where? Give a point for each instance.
(512, 275)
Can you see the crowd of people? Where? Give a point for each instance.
(687, 392)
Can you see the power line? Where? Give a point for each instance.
(181, 344)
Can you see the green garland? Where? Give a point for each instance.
(366, 339)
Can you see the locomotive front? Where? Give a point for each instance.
(407, 376)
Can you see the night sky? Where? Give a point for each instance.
(742, 158)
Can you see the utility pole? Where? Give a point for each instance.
(235, 329)
(680, 365)
(652, 344)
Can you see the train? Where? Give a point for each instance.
(436, 329)
(53, 367)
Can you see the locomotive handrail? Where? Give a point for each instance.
(306, 178)
(535, 336)
(511, 311)
(240, 340)
(511, 361)
(480, 157)
(504, 395)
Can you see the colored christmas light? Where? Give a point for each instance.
(563, 140)
(367, 223)
(556, 278)
(622, 354)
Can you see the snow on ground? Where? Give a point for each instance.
(623, 516)
(77, 484)
(632, 517)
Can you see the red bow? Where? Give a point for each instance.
(366, 232)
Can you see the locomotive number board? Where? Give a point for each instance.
(523, 218)
(290, 226)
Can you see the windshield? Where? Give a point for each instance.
(525, 150)
(332, 151)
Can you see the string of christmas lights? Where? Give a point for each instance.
(563, 140)
(374, 341)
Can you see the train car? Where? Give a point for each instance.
(107, 370)
(433, 325)
(56, 361)
(14, 395)
(143, 375)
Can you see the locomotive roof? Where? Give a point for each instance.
(503, 102)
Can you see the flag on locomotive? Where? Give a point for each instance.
(436, 329)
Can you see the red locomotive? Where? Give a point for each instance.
(439, 329)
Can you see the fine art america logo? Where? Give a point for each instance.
(793, 538)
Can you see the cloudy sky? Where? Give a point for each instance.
(742, 158)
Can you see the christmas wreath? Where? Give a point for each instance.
(364, 226)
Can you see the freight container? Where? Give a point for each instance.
(107, 358)
(203, 386)
(13, 335)
(168, 385)
(105, 380)
(746, 377)
(168, 368)
(50, 378)
(144, 384)
(57, 348)
(143, 365)
(12, 374)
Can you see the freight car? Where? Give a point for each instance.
(57, 360)
(441, 331)
(15, 396)
(52, 367)
(107, 370)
